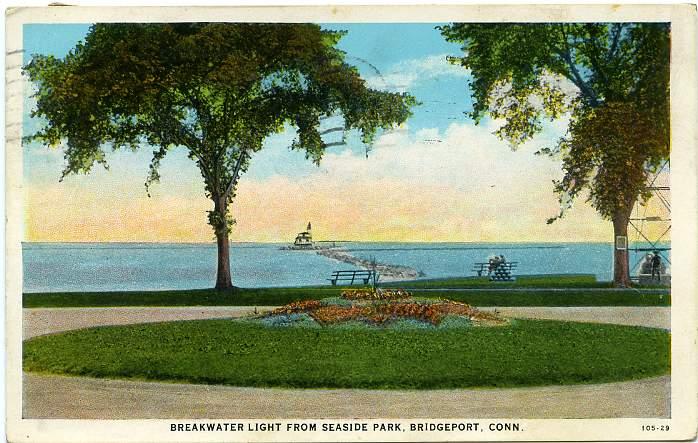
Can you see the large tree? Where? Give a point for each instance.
(610, 79)
(217, 90)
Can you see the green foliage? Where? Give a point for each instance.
(411, 324)
(245, 354)
(220, 222)
(618, 103)
(287, 320)
(190, 297)
(609, 151)
(281, 296)
(336, 301)
(217, 89)
(455, 321)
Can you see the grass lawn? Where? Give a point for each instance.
(516, 295)
(189, 297)
(280, 296)
(523, 281)
(239, 353)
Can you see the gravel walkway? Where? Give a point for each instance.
(650, 316)
(87, 398)
(48, 396)
(40, 321)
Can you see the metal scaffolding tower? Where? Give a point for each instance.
(651, 221)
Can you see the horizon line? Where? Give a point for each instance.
(320, 241)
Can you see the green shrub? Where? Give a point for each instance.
(455, 321)
(285, 320)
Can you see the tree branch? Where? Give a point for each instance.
(236, 171)
(575, 77)
(616, 32)
(189, 140)
(594, 59)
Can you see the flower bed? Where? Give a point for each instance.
(384, 307)
(375, 294)
(297, 306)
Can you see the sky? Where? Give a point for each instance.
(437, 178)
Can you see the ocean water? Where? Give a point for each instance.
(55, 267)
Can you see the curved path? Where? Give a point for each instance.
(48, 396)
(649, 316)
(88, 398)
(40, 321)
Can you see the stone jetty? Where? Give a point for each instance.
(387, 272)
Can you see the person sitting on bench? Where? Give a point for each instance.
(646, 266)
(494, 264)
(656, 266)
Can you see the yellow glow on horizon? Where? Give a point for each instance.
(276, 209)
(469, 188)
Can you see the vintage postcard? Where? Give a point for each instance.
(413, 223)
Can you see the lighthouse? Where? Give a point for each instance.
(304, 239)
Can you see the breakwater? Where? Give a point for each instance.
(386, 271)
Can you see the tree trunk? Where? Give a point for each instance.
(223, 280)
(621, 268)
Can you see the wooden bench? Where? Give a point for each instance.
(500, 271)
(480, 268)
(503, 271)
(351, 276)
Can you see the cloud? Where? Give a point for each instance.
(462, 155)
(406, 74)
(460, 183)
(469, 186)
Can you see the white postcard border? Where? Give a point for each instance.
(684, 99)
